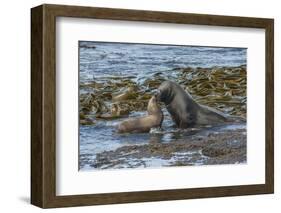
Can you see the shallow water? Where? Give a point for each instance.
(139, 60)
(99, 61)
(103, 137)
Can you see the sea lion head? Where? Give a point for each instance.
(153, 107)
(165, 92)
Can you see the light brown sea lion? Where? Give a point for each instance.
(143, 124)
(185, 111)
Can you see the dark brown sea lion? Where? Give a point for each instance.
(143, 124)
(185, 111)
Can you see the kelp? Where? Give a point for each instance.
(113, 97)
(223, 88)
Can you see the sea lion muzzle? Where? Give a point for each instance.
(158, 96)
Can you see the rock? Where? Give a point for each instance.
(88, 45)
(215, 151)
(216, 148)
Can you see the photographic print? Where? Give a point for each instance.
(149, 96)
(155, 105)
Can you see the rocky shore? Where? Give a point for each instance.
(227, 147)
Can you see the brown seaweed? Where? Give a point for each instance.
(223, 88)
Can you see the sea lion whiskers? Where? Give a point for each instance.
(164, 93)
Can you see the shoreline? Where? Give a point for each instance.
(228, 147)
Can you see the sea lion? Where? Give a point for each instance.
(143, 124)
(184, 110)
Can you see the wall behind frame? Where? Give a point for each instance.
(15, 104)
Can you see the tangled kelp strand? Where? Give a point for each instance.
(219, 87)
(223, 88)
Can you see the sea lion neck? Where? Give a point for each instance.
(153, 107)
